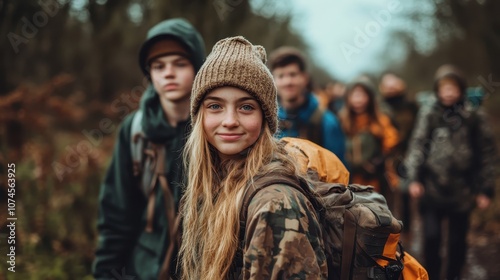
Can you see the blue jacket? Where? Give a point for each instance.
(331, 132)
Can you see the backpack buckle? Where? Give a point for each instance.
(390, 272)
(376, 273)
(393, 271)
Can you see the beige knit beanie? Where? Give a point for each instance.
(236, 62)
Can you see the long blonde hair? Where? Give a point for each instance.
(210, 203)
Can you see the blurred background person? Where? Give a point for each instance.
(300, 113)
(370, 136)
(332, 97)
(394, 92)
(451, 163)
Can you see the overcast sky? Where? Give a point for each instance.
(348, 38)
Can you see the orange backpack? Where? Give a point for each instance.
(314, 158)
(413, 270)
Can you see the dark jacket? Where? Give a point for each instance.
(124, 248)
(452, 153)
(404, 113)
(330, 135)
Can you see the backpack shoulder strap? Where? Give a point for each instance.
(137, 142)
(151, 174)
(348, 247)
(259, 183)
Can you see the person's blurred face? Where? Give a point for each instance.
(232, 120)
(358, 100)
(391, 85)
(338, 91)
(172, 77)
(291, 83)
(448, 92)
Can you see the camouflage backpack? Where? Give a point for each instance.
(361, 236)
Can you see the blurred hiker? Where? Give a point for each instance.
(336, 92)
(404, 112)
(299, 112)
(142, 186)
(451, 165)
(234, 112)
(370, 135)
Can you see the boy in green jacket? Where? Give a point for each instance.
(134, 219)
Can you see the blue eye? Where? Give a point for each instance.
(214, 106)
(247, 107)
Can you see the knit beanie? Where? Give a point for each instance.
(237, 63)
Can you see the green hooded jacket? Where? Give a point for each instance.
(124, 248)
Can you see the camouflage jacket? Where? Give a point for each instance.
(452, 153)
(283, 237)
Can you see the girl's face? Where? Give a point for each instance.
(358, 100)
(232, 120)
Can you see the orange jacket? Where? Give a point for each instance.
(383, 130)
(387, 133)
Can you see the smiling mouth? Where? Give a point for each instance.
(230, 137)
